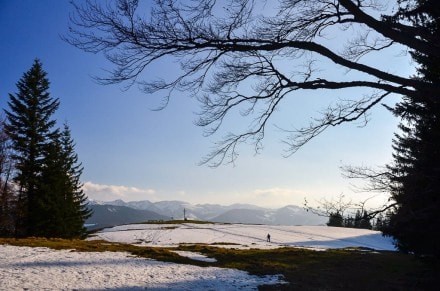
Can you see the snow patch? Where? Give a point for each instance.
(195, 256)
(26, 268)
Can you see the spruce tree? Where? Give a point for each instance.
(48, 172)
(415, 223)
(335, 219)
(416, 173)
(30, 126)
(365, 221)
(52, 191)
(357, 219)
(75, 200)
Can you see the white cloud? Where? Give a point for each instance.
(273, 197)
(104, 192)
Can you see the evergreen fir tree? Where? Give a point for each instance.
(415, 223)
(52, 189)
(30, 127)
(365, 221)
(75, 199)
(357, 219)
(64, 200)
(378, 225)
(416, 171)
(335, 219)
(48, 172)
(349, 222)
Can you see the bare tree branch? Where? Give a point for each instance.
(241, 58)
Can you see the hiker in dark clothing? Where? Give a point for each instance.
(268, 237)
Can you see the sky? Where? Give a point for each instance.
(132, 152)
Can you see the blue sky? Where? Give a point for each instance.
(130, 152)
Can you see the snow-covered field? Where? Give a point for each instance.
(246, 236)
(25, 268)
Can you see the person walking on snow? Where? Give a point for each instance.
(268, 237)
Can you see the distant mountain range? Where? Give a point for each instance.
(119, 212)
(111, 215)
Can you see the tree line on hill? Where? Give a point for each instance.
(342, 212)
(40, 189)
(361, 219)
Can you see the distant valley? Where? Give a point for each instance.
(120, 212)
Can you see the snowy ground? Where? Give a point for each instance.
(25, 268)
(246, 236)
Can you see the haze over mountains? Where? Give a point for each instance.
(119, 212)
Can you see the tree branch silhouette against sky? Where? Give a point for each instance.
(253, 84)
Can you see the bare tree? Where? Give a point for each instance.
(379, 180)
(328, 207)
(347, 213)
(247, 56)
(7, 195)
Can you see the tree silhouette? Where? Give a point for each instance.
(30, 125)
(413, 179)
(416, 167)
(49, 199)
(8, 207)
(248, 56)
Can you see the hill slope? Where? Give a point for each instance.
(111, 215)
